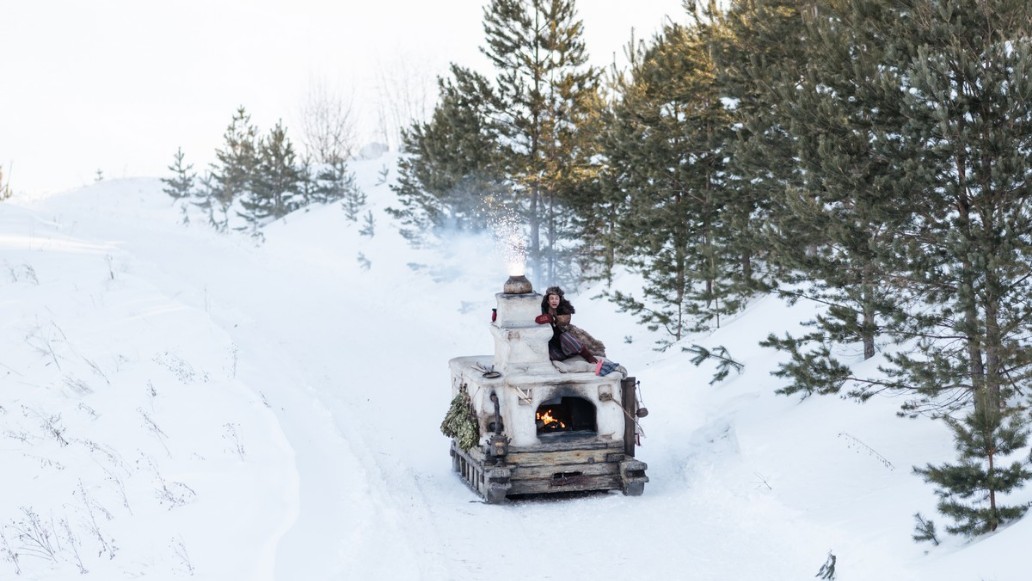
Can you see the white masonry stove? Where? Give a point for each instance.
(543, 428)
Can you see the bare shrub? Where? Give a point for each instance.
(8, 553)
(36, 536)
(92, 508)
(44, 344)
(153, 428)
(5, 186)
(174, 494)
(51, 424)
(180, 554)
(405, 93)
(182, 370)
(78, 386)
(22, 271)
(327, 124)
(73, 545)
(233, 437)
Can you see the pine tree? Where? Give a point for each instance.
(580, 225)
(894, 164)
(834, 226)
(180, 187)
(368, 225)
(971, 492)
(449, 175)
(598, 225)
(924, 530)
(232, 176)
(545, 92)
(276, 183)
(759, 47)
(353, 199)
(810, 367)
(967, 254)
(334, 181)
(307, 186)
(963, 257)
(205, 201)
(666, 140)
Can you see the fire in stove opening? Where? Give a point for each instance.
(566, 415)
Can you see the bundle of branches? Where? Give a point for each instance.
(460, 423)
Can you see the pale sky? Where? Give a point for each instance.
(119, 85)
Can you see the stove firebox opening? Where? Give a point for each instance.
(566, 415)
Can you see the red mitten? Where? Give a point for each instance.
(543, 318)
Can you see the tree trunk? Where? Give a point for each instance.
(868, 328)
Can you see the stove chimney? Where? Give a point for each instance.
(521, 345)
(517, 285)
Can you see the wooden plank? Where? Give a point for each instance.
(547, 472)
(476, 454)
(561, 444)
(554, 458)
(572, 484)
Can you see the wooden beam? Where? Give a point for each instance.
(568, 444)
(630, 406)
(553, 458)
(549, 472)
(570, 484)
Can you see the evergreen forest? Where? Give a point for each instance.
(258, 178)
(874, 156)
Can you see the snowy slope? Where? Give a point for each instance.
(179, 403)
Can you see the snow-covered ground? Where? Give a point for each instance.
(178, 403)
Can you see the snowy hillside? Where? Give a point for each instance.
(176, 403)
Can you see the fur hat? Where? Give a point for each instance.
(554, 290)
(565, 308)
